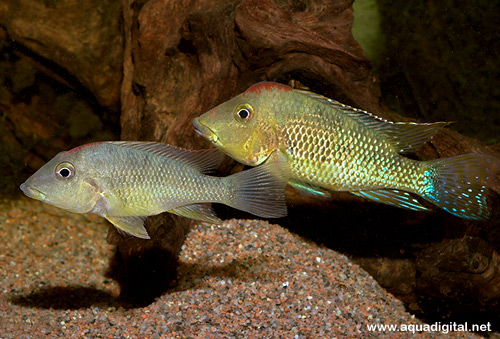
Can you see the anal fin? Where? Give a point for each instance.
(395, 198)
(130, 225)
(202, 212)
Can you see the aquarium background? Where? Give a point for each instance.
(430, 61)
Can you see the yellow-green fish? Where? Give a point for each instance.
(330, 146)
(127, 181)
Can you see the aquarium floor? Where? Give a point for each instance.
(242, 279)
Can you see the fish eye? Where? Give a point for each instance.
(243, 112)
(65, 170)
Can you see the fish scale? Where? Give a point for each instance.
(328, 146)
(149, 183)
(125, 182)
(348, 160)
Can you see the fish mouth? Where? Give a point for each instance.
(205, 131)
(32, 192)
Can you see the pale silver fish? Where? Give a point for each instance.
(127, 181)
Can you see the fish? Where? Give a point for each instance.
(328, 146)
(127, 181)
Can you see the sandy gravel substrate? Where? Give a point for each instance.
(242, 279)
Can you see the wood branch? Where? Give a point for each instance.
(208, 52)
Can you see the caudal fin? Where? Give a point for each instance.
(458, 184)
(260, 191)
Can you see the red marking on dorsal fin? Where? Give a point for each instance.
(266, 86)
(73, 150)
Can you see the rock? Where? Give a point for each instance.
(79, 40)
(464, 271)
(41, 117)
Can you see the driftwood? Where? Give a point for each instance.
(181, 60)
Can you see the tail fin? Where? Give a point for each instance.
(458, 184)
(260, 191)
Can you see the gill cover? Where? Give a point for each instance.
(243, 127)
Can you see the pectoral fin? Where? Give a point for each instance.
(130, 225)
(201, 212)
(394, 198)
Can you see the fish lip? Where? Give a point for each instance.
(205, 131)
(32, 192)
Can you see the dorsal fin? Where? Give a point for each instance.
(265, 86)
(203, 160)
(405, 137)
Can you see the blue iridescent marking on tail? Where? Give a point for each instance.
(458, 184)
